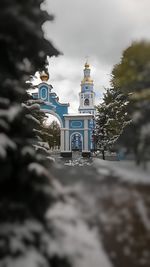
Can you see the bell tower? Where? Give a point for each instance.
(87, 95)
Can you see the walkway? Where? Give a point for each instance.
(116, 208)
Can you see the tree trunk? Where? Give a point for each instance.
(103, 154)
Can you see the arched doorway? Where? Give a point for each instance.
(76, 142)
(53, 125)
(51, 112)
(54, 131)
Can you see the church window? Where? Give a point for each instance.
(86, 102)
(86, 96)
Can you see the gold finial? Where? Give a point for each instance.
(87, 65)
(44, 76)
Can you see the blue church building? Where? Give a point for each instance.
(76, 129)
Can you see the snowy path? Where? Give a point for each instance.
(114, 201)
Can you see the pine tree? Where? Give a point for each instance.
(40, 132)
(39, 117)
(112, 116)
(27, 189)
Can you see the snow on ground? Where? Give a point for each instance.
(113, 198)
(101, 220)
(74, 239)
(68, 237)
(126, 170)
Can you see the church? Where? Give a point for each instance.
(77, 130)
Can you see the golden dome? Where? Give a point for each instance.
(44, 76)
(87, 66)
(87, 80)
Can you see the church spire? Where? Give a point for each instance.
(87, 75)
(87, 95)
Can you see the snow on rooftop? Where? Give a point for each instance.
(78, 115)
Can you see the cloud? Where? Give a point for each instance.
(100, 29)
(66, 75)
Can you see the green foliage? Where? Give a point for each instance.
(132, 77)
(132, 73)
(54, 131)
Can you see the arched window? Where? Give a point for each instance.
(86, 102)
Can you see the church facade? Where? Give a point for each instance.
(76, 129)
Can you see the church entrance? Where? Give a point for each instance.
(76, 142)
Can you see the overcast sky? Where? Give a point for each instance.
(99, 29)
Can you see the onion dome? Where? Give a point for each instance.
(87, 66)
(87, 76)
(44, 76)
(87, 80)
